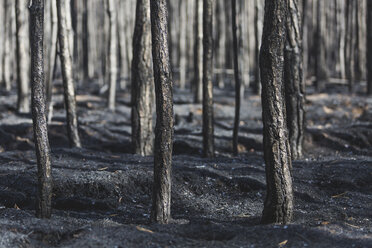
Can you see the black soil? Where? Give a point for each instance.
(102, 193)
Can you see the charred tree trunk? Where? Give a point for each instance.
(198, 52)
(112, 62)
(278, 206)
(68, 82)
(43, 208)
(142, 82)
(369, 47)
(23, 105)
(258, 35)
(293, 78)
(208, 129)
(237, 52)
(164, 111)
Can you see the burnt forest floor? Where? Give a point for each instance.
(102, 193)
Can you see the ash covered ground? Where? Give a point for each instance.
(102, 193)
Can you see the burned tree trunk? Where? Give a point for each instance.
(208, 129)
(198, 52)
(43, 208)
(142, 82)
(164, 111)
(237, 52)
(258, 35)
(369, 47)
(68, 82)
(23, 105)
(278, 206)
(112, 61)
(293, 78)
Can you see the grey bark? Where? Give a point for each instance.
(164, 113)
(112, 61)
(208, 119)
(198, 52)
(6, 60)
(258, 35)
(44, 197)
(67, 74)
(142, 82)
(183, 43)
(23, 105)
(369, 47)
(278, 207)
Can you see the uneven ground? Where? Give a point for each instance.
(102, 192)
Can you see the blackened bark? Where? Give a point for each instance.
(23, 105)
(68, 83)
(208, 129)
(142, 82)
(112, 59)
(293, 78)
(235, 22)
(43, 208)
(198, 52)
(369, 46)
(278, 206)
(164, 112)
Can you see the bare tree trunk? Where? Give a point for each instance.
(349, 41)
(198, 52)
(183, 44)
(43, 208)
(321, 73)
(23, 105)
(293, 78)
(278, 206)
(68, 82)
(258, 34)
(164, 111)
(112, 65)
(221, 42)
(369, 47)
(6, 77)
(236, 27)
(142, 82)
(208, 119)
(2, 38)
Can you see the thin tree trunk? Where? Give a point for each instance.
(321, 73)
(258, 34)
(112, 65)
(43, 207)
(68, 82)
(23, 105)
(369, 47)
(183, 43)
(142, 82)
(278, 207)
(164, 111)
(198, 52)
(235, 29)
(6, 77)
(208, 119)
(221, 42)
(2, 39)
(293, 78)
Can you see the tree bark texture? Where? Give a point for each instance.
(293, 78)
(23, 105)
(258, 23)
(43, 208)
(198, 52)
(208, 119)
(112, 61)
(369, 47)
(164, 112)
(142, 82)
(278, 207)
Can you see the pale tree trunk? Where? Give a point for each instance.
(124, 73)
(278, 207)
(369, 47)
(112, 62)
(2, 39)
(321, 70)
(142, 82)
(68, 81)
(221, 42)
(340, 26)
(293, 80)
(198, 52)
(23, 105)
(161, 207)
(208, 119)
(44, 197)
(6, 63)
(183, 44)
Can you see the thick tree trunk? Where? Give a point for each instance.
(321, 72)
(237, 53)
(198, 52)
(142, 82)
(164, 112)
(369, 47)
(293, 78)
(23, 105)
(43, 208)
(68, 82)
(208, 119)
(279, 198)
(112, 62)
